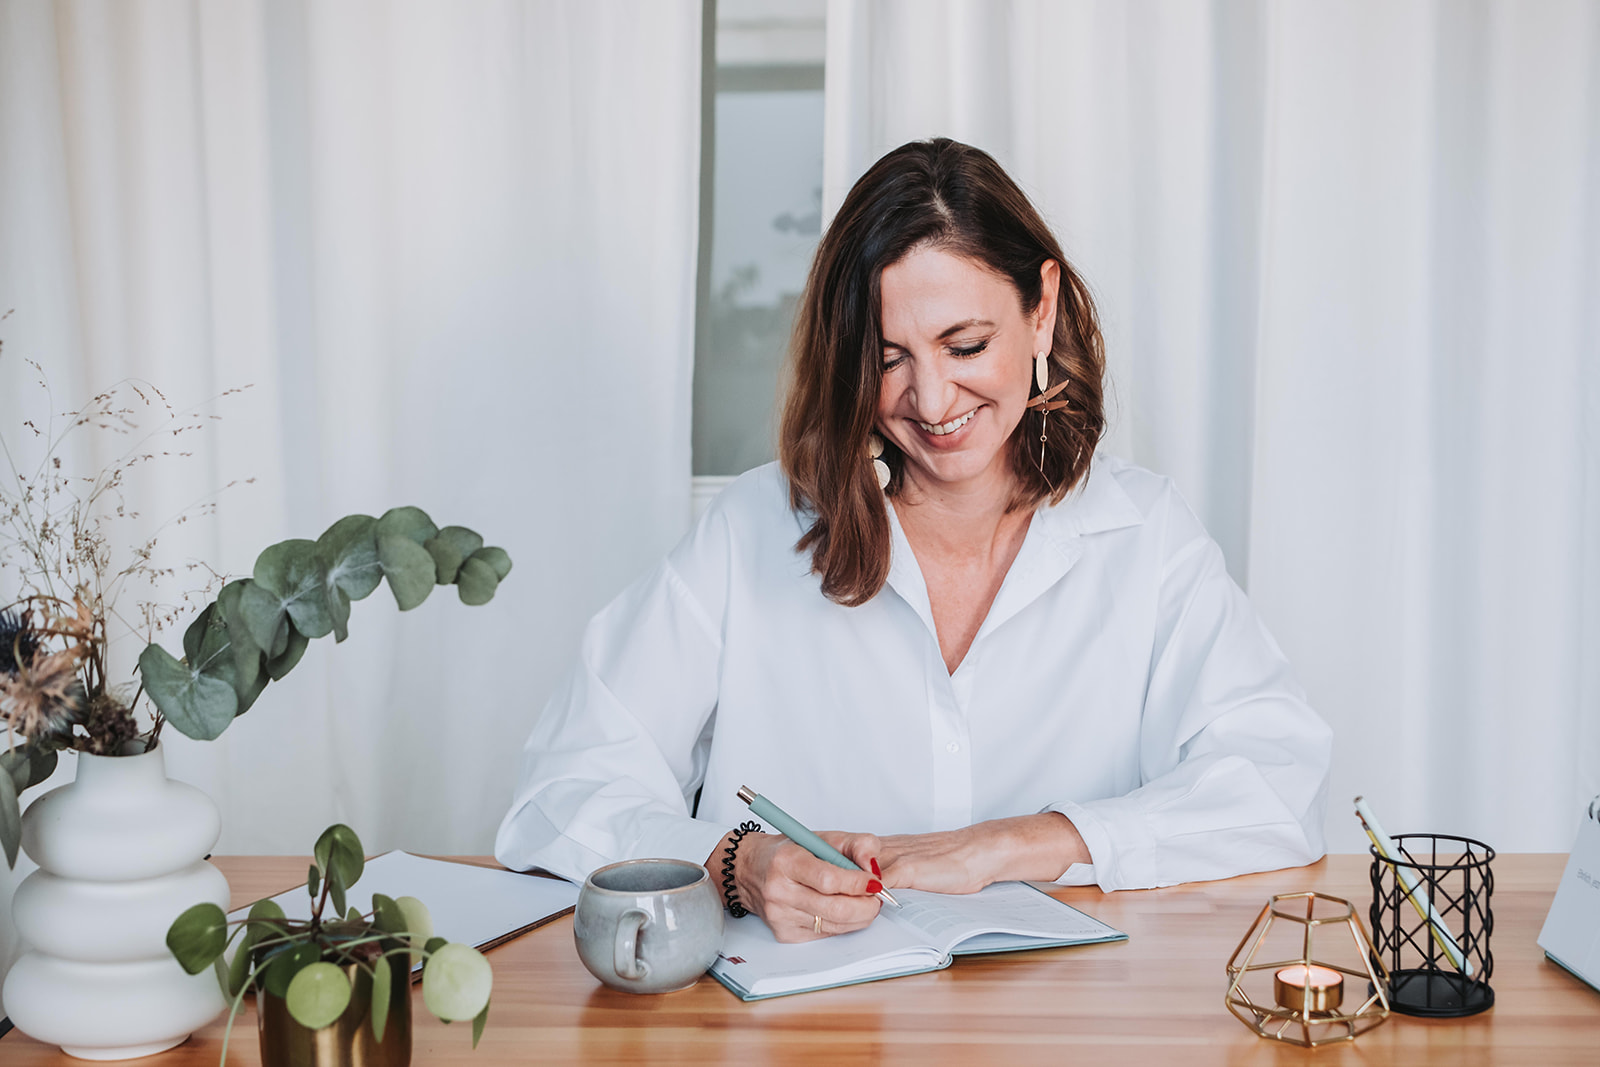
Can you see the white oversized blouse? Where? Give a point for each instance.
(1120, 678)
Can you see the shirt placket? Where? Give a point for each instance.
(951, 743)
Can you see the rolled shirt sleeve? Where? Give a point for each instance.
(1233, 762)
(610, 769)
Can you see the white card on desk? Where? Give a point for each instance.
(478, 906)
(1571, 934)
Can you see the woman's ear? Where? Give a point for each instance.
(1044, 316)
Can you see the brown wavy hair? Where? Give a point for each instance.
(951, 196)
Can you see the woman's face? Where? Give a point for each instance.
(957, 365)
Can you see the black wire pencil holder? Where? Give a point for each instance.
(1454, 876)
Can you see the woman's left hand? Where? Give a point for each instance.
(1030, 847)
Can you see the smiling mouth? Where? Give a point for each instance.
(940, 429)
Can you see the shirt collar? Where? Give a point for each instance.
(1098, 504)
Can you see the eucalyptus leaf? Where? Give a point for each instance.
(198, 937)
(382, 983)
(350, 554)
(465, 541)
(41, 765)
(293, 572)
(294, 647)
(456, 982)
(496, 558)
(265, 617)
(410, 523)
(15, 765)
(409, 568)
(10, 820)
(476, 582)
(245, 649)
(447, 559)
(317, 995)
(288, 963)
(195, 634)
(199, 705)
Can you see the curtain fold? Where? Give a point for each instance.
(451, 251)
(1346, 261)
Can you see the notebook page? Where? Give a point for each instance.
(946, 920)
(755, 960)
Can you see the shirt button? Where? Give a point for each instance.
(952, 748)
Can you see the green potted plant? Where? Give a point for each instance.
(334, 989)
(122, 826)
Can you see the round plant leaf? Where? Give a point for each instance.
(410, 523)
(496, 558)
(294, 647)
(264, 616)
(196, 633)
(318, 995)
(266, 910)
(382, 983)
(476, 582)
(417, 923)
(288, 963)
(246, 652)
(386, 915)
(199, 705)
(409, 568)
(313, 881)
(456, 982)
(446, 559)
(198, 937)
(292, 571)
(478, 1023)
(350, 554)
(466, 541)
(338, 853)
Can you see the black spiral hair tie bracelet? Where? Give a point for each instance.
(730, 893)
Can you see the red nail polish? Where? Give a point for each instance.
(874, 887)
(876, 871)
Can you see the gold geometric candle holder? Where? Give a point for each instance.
(1314, 944)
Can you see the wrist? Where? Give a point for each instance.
(729, 866)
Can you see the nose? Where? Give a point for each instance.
(933, 390)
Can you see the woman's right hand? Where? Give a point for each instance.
(790, 888)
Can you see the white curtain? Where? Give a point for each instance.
(1348, 260)
(451, 249)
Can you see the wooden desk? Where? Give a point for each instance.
(1155, 999)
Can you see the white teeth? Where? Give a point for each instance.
(948, 427)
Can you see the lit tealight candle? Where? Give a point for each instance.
(1305, 987)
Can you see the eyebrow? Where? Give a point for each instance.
(949, 331)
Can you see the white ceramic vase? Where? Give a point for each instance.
(121, 854)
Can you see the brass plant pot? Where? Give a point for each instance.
(347, 1041)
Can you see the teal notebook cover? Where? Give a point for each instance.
(924, 936)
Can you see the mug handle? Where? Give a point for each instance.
(625, 956)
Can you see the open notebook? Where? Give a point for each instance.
(924, 935)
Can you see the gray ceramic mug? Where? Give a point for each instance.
(648, 926)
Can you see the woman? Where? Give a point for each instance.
(1015, 657)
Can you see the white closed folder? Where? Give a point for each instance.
(1571, 934)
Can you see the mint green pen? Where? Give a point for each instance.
(787, 825)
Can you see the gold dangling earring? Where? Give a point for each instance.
(1045, 401)
(879, 467)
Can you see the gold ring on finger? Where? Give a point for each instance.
(816, 924)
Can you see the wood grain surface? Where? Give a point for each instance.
(1155, 999)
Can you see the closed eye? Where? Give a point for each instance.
(970, 350)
